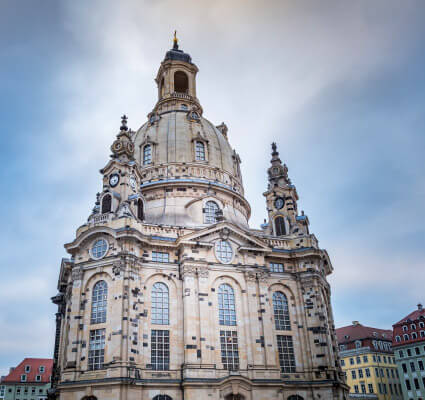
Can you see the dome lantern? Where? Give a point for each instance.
(176, 80)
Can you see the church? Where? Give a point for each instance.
(169, 294)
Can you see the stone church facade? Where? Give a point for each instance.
(168, 294)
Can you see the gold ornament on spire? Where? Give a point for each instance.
(175, 40)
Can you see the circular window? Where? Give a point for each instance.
(99, 248)
(223, 251)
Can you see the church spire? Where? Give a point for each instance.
(123, 147)
(278, 173)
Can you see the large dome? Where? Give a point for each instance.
(187, 163)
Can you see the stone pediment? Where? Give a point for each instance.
(225, 230)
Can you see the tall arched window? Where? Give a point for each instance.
(210, 211)
(106, 203)
(140, 209)
(181, 82)
(147, 154)
(279, 223)
(162, 397)
(99, 302)
(281, 312)
(199, 151)
(160, 304)
(226, 305)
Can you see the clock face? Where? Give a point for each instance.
(279, 203)
(133, 182)
(114, 179)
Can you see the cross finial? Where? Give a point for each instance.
(274, 148)
(175, 41)
(124, 123)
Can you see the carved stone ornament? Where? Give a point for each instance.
(76, 274)
(250, 276)
(224, 233)
(203, 272)
(118, 267)
(123, 146)
(189, 270)
(124, 210)
(263, 276)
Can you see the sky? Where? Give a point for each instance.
(339, 85)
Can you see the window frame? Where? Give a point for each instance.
(96, 351)
(226, 305)
(160, 349)
(160, 256)
(281, 313)
(209, 210)
(93, 244)
(99, 303)
(200, 151)
(147, 156)
(160, 304)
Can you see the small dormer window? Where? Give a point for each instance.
(38, 378)
(413, 326)
(27, 368)
(147, 154)
(405, 328)
(199, 151)
(41, 369)
(23, 378)
(358, 344)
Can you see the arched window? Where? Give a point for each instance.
(226, 305)
(199, 151)
(99, 303)
(279, 223)
(106, 203)
(162, 397)
(160, 304)
(147, 154)
(181, 82)
(398, 339)
(406, 336)
(281, 312)
(210, 211)
(140, 209)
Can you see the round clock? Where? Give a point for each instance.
(279, 203)
(133, 182)
(114, 179)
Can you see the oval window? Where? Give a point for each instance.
(99, 249)
(223, 251)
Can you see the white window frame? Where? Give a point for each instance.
(159, 256)
(147, 157)
(23, 377)
(92, 245)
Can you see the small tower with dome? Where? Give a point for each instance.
(167, 293)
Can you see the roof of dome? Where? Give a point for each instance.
(176, 54)
(173, 136)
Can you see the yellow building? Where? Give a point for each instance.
(368, 361)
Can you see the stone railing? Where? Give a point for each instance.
(184, 96)
(100, 218)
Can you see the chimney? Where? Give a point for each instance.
(355, 323)
(419, 306)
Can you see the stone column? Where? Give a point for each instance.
(190, 315)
